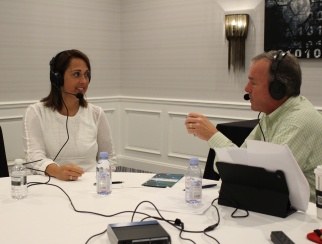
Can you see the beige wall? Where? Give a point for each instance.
(33, 31)
(153, 62)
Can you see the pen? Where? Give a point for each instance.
(114, 182)
(207, 186)
(117, 182)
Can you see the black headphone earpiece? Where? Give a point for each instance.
(277, 88)
(56, 78)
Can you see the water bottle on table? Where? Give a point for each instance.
(103, 175)
(19, 189)
(193, 182)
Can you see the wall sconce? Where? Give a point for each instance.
(236, 28)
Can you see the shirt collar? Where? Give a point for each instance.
(288, 104)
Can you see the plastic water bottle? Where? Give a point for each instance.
(19, 189)
(103, 175)
(193, 189)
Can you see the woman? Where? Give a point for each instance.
(63, 131)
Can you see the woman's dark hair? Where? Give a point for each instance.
(58, 65)
(288, 72)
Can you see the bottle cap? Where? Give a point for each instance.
(19, 161)
(103, 155)
(194, 161)
(318, 170)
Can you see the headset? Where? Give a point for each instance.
(56, 77)
(277, 88)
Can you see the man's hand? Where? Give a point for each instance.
(200, 126)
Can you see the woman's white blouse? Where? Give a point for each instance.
(45, 133)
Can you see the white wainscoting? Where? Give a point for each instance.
(153, 136)
(148, 133)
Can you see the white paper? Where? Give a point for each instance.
(272, 157)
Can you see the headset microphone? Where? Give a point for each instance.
(78, 95)
(246, 97)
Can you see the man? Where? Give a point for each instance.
(274, 83)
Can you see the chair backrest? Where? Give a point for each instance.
(209, 172)
(4, 172)
(237, 132)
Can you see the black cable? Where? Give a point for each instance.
(37, 169)
(66, 131)
(98, 234)
(236, 206)
(82, 211)
(177, 223)
(31, 183)
(239, 216)
(214, 226)
(149, 215)
(260, 127)
(162, 218)
(32, 162)
(211, 237)
(180, 234)
(158, 218)
(66, 124)
(87, 212)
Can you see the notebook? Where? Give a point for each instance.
(163, 180)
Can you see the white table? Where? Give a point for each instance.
(46, 215)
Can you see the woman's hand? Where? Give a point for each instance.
(65, 172)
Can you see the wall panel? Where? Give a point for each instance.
(143, 131)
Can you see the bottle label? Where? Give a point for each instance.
(18, 181)
(103, 177)
(318, 198)
(193, 189)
